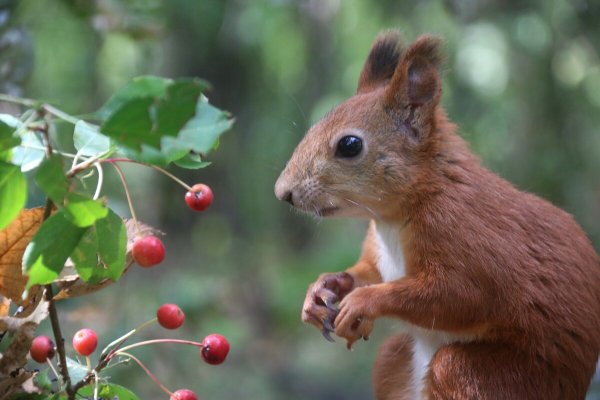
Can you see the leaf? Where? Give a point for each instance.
(140, 87)
(192, 161)
(13, 241)
(82, 211)
(88, 140)
(202, 132)
(77, 371)
(53, 243)
(30, 153)
(42, 380)
(131, 124)
(178, 105)
(109, 391)
(13, 192)
(101, 252)
(7, 138)
(51, 178)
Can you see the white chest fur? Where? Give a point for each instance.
(392, 266)
(391, 262)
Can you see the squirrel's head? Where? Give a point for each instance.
(362, 157)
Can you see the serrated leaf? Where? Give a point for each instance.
(82, 211)
(140, 87)
(177, 106)
(101, 253)
(88, 140)
(53, 243)
(109, 391)
(131, 124)
(30, 153)
(51, 178)
(13, 241)
(13, 192)
(202, 132)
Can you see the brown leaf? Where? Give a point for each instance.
(13, 241)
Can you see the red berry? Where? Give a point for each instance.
(183, 394)
(42, 348)
(148, 251)
(199, 198)
(170, 316)
(214, 349)
(85, 341)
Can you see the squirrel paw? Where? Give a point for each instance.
(356, 317)
(320, 303)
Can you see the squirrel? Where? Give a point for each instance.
(498, 290)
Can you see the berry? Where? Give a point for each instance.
(199, 198)
(42, 348)
(148, 251)
(170, 316)
(85, 341)
(214, 349)
(183, 394)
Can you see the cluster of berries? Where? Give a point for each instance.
(213, 349)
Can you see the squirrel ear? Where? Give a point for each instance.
(381, 62)
(416, 80)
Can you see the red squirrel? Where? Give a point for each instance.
(498, 290)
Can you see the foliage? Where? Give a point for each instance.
(77, 237)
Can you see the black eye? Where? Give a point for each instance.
(349, 146)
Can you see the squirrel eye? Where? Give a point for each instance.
(349, 146)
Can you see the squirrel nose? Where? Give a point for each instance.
(288, 197)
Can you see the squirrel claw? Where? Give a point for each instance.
(327, 335)
(330, 306)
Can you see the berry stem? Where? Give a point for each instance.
(119, 341)
(146, 342)
(147, 371)
(88, 362)
(159, 169)
(55, 372)
(127, 194)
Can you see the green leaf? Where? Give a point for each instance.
(202, 132)
(101, 253)
(51, 178)
(13, 192)
(88, 140)
(82, 211)
(109, 391)
(131, 124)
(192, 161)
(30, 153)
(53, 243)
(178, 106)
(7, 138)
(140, 87)
(42, 381)
(77, 371)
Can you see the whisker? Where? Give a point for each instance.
(368, 209)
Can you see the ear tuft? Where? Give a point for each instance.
(416, 80)
(382, 60)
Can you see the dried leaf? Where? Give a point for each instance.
(13, 241)
(12, 385)
(13, 324)
(4, 306)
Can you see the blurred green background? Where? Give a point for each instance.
(521, 80)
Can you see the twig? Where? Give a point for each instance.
(60, 342)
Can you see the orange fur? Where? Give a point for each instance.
(500, 289)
